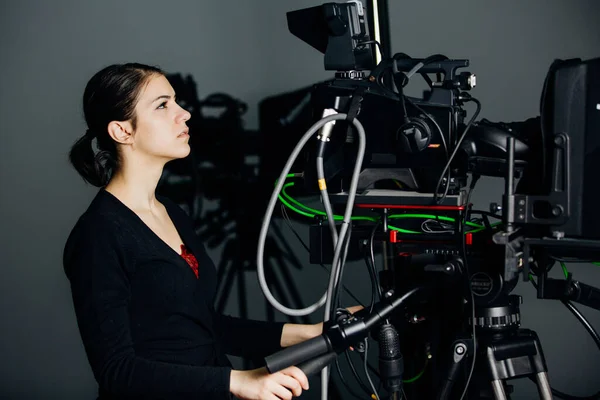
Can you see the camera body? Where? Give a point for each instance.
(408, 139)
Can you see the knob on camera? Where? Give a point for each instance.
(414, 136)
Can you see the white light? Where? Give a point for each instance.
(598, 106)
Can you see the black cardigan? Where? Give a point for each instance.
(148, 325)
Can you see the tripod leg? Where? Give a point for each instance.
(459, 354)
(498, 388)
(544, 388)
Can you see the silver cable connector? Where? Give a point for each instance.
(326, 130)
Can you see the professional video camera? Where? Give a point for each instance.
(445, 288)
(409, 139)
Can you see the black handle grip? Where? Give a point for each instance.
(315, 365)
(586, 295)
(297, 354)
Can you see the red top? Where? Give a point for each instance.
(190, 258)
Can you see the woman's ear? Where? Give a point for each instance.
(121, 131)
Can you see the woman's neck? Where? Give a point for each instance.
(136, 187)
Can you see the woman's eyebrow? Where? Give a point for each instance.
(164, 96)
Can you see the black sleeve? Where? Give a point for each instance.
(239, 337)
(248, 338)
(95, 263)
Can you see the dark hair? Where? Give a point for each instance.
(110, 95)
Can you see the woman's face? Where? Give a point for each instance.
(161, 130)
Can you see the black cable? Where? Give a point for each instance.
(429, 60)
(486, 213)
(374, 371)
(466, 265)
(289, 222)
(336, 294)
(442, 137)
(378, 46)
(457, 146)
(355, 373)
(400, 56)
(475, 178)
(370, 261)
(537, 269)
(372, 255)
(588, 327)
(405, 79)
(351, 364)
(339, 371)
(373, 277)
(483, 220)
(365, 365)
(586, 324)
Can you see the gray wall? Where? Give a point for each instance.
(50, 49)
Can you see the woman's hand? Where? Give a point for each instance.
(297, 333)
(352, 310)
(258, 384)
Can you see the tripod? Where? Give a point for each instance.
(503, 352)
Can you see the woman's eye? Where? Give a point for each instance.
(163, 105)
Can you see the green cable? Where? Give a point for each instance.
(564, 268)
(357, 218)
(436, 217)
(291, 207)
(319, 212)
(296, 202)
(420, 374)
(339, 217)
(312, 213)
(395, 228)
(495, 224)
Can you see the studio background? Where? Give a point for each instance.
(50, 49)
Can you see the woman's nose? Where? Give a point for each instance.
(184, 115)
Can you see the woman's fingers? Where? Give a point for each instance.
(287, 385)
(354, 309)
(298, 375)
(282, 393)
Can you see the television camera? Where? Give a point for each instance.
(397, 172)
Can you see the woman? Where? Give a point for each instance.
(142, 283)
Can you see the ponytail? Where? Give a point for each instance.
(94, 168)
